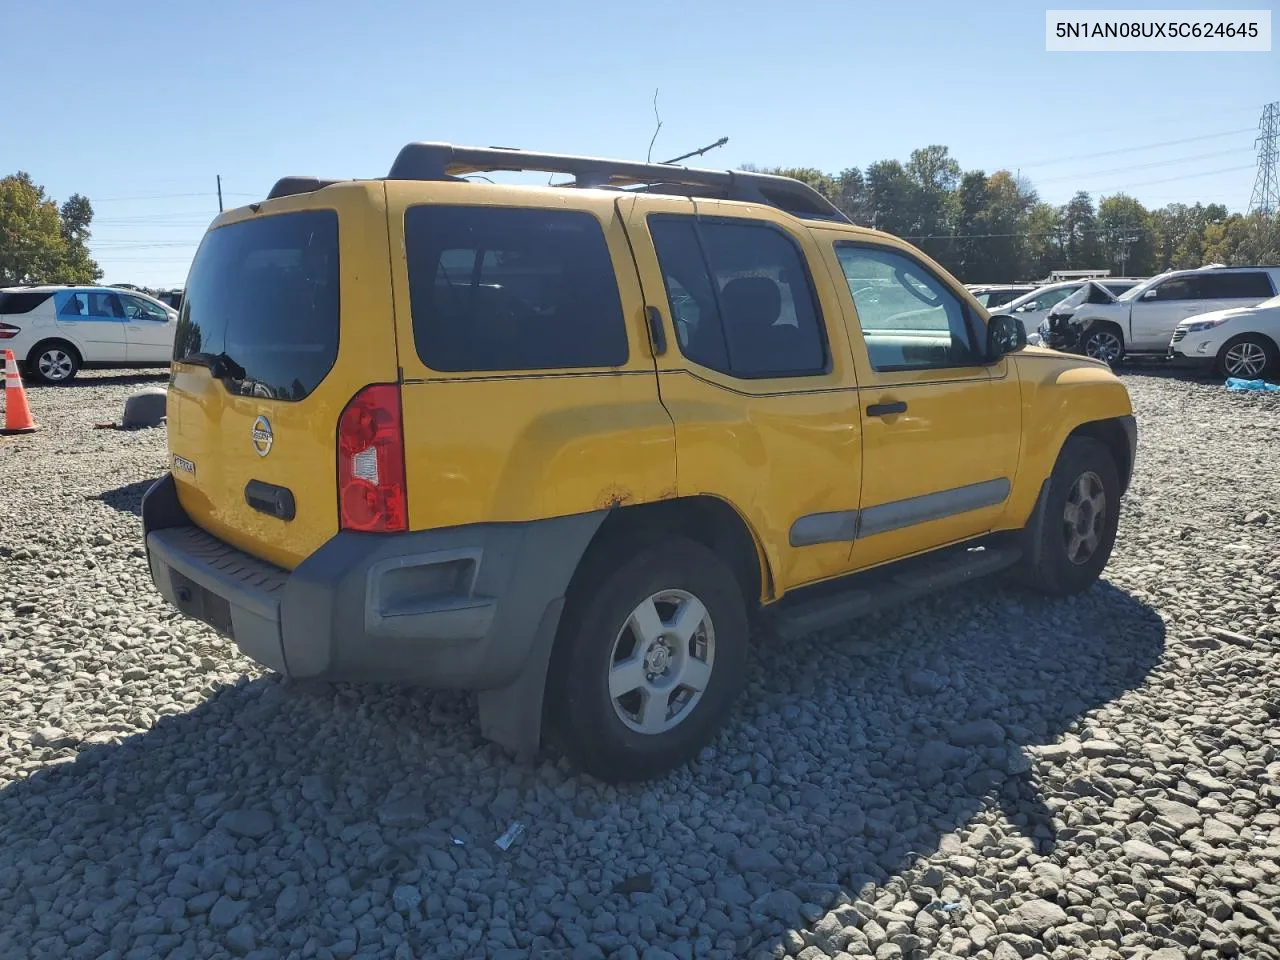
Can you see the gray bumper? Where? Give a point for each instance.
(1199, 364)
(458, 607)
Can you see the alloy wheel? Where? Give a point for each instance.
(661, 662)
(1084, 517)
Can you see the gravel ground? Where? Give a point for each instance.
(986, 775)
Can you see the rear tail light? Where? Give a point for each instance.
(371, 488)
(8, 331)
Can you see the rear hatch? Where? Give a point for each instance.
(286, 315)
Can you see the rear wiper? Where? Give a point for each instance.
(221, 366)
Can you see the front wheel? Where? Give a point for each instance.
(1071, 541)
(1249, 357)
(650, 657)
(1104, 343)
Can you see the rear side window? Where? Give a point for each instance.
(740, 297)
(21, 302)
(261, 306)
(505, 288)
(1238, 286)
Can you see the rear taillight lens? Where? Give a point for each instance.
(8, 331)
(371, 490)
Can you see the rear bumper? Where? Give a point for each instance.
(458, 607)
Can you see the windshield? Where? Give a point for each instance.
(1057, 292)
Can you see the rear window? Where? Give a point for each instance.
(261, 304)
(22, 301)
(1237, 286)
(494, 288)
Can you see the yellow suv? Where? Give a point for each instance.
(566, 445)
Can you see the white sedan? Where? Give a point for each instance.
(55, 331)
(1243, 342)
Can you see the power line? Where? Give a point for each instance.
(1143, 166)
(1147, 146)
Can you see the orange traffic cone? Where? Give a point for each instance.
(17, 415)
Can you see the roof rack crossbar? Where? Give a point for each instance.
(445, 161)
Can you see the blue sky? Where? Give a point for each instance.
(140, 103)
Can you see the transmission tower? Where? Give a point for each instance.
(1266, 189)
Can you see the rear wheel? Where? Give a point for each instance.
(1071, 541)
(1104, 342)
(650, 657)
(53, 361)
(1249, 356)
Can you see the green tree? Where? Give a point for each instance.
(1043, 240)
(889, 198)
(1004, 217)
(1126, 240)
(37, 243)
(968, 205)
(1080, 233)
(824, 183)
(852, 197)
(933, 174)
(1237, 240)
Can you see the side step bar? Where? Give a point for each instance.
(831, 604)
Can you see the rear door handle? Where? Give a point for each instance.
(887, 409)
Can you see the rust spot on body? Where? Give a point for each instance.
(614, 496)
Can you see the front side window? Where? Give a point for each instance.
(740, 297)
(508, 288)
(135, 308)
(1183, 288)
(910, 320)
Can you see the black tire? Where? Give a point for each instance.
(53, 362)
(580, 707)
(1103, 341)
(1049, 565)
(1237, 345)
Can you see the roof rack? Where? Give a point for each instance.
(445, 161)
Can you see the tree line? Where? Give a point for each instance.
(995, 228)
(983, 228)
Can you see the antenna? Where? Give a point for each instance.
(648, 157)
(1266, 189)
(699, 152)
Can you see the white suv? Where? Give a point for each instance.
(1244, 342)
(1033, 308)
(55, 331)
(1142, 320)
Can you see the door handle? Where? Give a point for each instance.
(887, 409)
(657, 337)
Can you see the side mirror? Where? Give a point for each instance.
(1005, 334)
(1150, 294)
